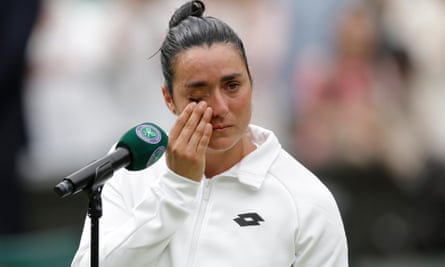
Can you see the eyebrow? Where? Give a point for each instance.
(197, 84)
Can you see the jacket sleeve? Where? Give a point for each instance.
(135, 235)
(321, 239)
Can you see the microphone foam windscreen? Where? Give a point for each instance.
(146, 142)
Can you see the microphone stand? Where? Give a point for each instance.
(95, 208)
(93, 190)
(95, 212)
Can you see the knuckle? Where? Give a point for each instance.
(199, 131)
(175, 149)
(181, 120)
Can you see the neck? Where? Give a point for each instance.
(220, 161)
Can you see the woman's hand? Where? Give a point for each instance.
(188, 140)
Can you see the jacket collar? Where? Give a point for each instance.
(253, 168)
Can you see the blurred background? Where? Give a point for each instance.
(353, 88)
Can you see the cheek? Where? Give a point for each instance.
(179, 105)
(242, 105)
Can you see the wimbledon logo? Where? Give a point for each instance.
(148, 133)
(156, 155)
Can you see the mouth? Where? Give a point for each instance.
(221, 128)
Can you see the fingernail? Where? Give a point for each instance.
(192, 105)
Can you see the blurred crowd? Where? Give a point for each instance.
(367, 118)
(374, 97)
(353, 89)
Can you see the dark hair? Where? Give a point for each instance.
(188, 28)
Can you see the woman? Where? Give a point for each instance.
(226, 193)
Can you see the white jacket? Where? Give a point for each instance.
(266, 211)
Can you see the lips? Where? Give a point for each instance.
(220, 127)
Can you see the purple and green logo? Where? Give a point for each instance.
(148, 133)
(157, 154)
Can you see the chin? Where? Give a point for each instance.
(223, 144)
(218, 148)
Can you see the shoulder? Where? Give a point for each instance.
(303, 186)
(319, 227)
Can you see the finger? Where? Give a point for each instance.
(200, 129)
(181, 121)
(205, 139)
(192, 123)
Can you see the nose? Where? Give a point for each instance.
(218, 103)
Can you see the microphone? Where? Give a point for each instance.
(139, 148)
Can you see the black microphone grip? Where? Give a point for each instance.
(95, 173)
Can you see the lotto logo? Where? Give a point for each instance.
(248, 219)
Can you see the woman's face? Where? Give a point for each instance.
(218, 76)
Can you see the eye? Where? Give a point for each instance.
(195, 99)
(197, 95)
(232, 86)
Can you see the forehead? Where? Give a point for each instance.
(207, 62)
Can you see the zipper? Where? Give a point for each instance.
(204, 200)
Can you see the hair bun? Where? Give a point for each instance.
(192, 8)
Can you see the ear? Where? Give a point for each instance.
(168, 100)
